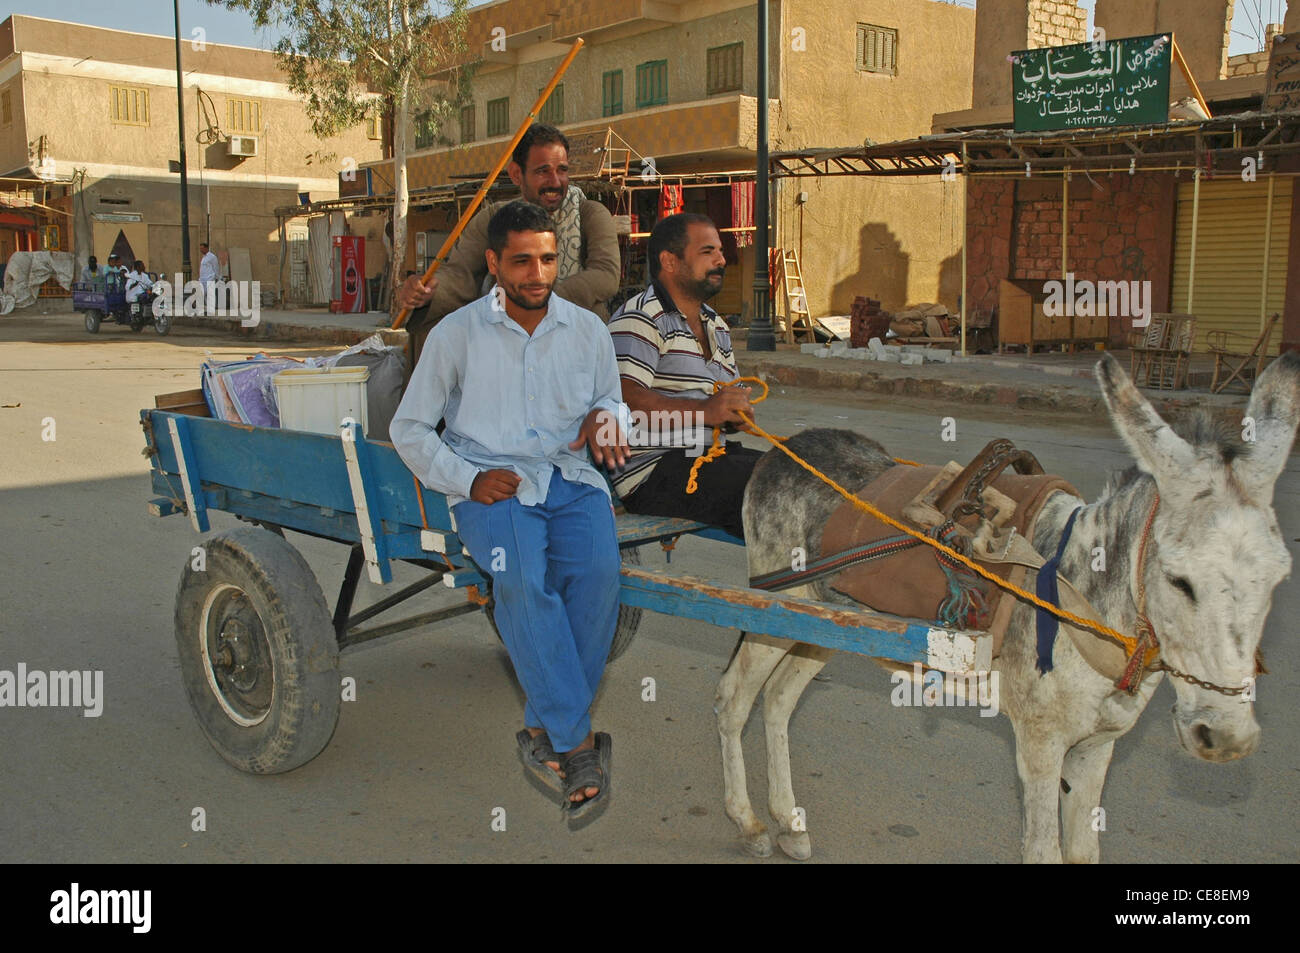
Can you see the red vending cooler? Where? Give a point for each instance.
(349, 273)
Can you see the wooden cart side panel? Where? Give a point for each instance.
(295, 466)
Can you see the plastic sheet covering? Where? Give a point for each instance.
(26, 271)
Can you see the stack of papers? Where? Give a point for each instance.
(242, 390)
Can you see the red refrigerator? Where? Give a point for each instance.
(349, 273)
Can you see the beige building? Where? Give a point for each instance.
(675, 81)
(92, 112)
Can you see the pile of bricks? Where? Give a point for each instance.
(867, 321)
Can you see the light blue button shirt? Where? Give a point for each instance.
(510, 401)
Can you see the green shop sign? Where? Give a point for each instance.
(1121, 82)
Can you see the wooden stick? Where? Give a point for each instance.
(1191, 80)
(447, 245)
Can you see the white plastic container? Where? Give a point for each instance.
(317, 399)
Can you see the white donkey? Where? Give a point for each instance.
(1212, 560)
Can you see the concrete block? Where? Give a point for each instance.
(839, 347)
(938, 355)
(822, 352)
(809, 348)
(910, 360)
(876, 346)
(890, 354)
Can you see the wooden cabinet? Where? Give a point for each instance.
(1022, 319)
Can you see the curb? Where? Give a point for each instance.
(1073, 400)
(291, 333)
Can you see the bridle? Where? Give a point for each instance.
(1146, 655)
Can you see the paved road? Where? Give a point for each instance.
(421, 758)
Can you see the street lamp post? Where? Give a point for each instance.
(760, 336)
(180, 117)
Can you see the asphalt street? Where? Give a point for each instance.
(426, 752)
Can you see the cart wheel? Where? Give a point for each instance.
(629, 617)
(162, 323)
(257, 652)
(93, 318)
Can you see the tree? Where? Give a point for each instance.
(351, 60)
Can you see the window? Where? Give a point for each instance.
(375, 127)
(611, 93)
(498, 116)
(553, 109)
(468, 123)
(725, 66)
(877, 49)
(652, 84)
(129, 105)
(244, 115)
(424, 129)
(6, 108)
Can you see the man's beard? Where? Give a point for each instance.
(523, 302)
(704, 289)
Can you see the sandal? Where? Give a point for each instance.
(587, 769)
(535, 752)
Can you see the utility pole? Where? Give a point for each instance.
(760, 336)
(180, 117)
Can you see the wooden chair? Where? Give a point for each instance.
(1233, 351)
(1142, 343)
(1164, 355)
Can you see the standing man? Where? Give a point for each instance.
(588, 265)
(209, 274)
(672, 349)
(526, 383)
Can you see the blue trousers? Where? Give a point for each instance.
(554, 570)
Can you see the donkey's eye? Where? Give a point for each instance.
(1183, 586)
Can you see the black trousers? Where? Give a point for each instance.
(718, 499)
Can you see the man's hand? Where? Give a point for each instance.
(414, 294)
(725, 406)
(600, 431)
(492, 486)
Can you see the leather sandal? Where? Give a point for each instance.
(587, 769)
(535, 752)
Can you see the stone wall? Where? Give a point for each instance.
(1056, 23)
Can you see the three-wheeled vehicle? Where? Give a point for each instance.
(100, 301)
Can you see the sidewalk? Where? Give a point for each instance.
(1059, 382)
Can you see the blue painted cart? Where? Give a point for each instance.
(259, 647)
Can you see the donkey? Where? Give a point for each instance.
(1212, 559)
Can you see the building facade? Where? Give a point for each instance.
(671, 87)
(88, 118)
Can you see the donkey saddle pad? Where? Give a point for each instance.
(911, 582)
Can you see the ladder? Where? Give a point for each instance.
(797, 319)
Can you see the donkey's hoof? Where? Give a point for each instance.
(797, 846)
(757, 845)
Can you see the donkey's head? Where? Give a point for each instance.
(1215, 553)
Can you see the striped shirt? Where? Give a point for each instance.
(656, 349)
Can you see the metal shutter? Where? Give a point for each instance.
(1230, 266)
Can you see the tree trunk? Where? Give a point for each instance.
(401, 196)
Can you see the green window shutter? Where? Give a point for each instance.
(611, 93)
(553, 109)
(498, 116)
(652, 84)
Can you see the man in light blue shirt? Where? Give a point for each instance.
(527, 383)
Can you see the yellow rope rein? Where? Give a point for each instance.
(1129, 643)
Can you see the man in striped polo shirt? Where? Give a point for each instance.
(672, 348)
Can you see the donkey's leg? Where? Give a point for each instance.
(1039, 755)
(780, 695)
(1084, 773)
(753, 662)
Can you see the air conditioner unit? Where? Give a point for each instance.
(241, 146)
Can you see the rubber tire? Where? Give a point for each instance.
(162, 323)
(281, 587)
(137, 324)
(629, 617)
(93, 319)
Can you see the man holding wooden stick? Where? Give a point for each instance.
(587, 245)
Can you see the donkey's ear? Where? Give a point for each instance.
(1159, 451)
(1274, 409)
